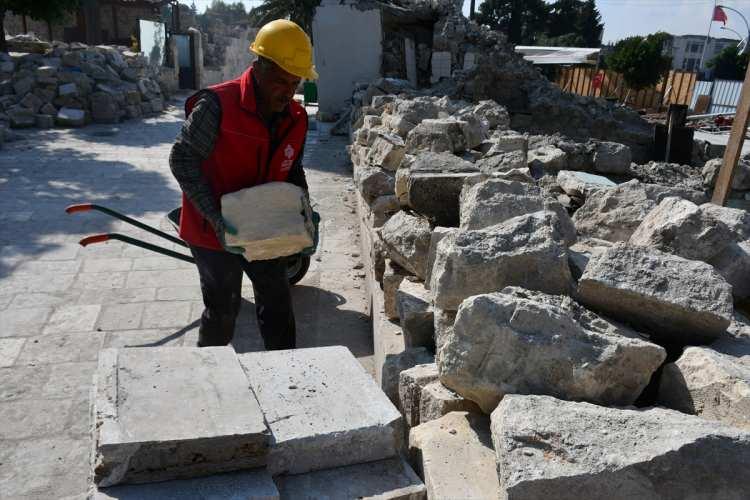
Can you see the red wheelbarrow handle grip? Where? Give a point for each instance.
(83, 207)
(97, 238)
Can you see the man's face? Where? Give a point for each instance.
(277, 87)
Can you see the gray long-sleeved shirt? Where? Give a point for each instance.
(196, 143)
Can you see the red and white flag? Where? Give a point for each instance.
(720, 15)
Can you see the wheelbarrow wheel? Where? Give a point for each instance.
(296, 267)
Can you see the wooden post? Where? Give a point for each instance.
(734, 147)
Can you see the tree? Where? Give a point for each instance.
(563, 17)
(640, 60)
(42, 10)
(729, 64)
(299, 11)
(590, 25)
(522, 21)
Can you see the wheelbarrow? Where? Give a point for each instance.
(297, 265)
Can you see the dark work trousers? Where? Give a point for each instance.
(221, 285)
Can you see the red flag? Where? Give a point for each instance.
(720, 15)
(598, 80)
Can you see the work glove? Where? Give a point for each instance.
(222, 230)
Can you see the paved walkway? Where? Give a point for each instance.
(61, 303)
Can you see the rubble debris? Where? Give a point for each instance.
(674, 300)
(582, 184)
(521, 342)
(527, 251)
(740, 181)
(454, 455)
(612, 158)
(669, 174)
(548, 448)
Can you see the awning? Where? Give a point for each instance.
(559, 55)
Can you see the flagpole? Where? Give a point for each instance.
(708, 36)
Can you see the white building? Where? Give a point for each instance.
(686, 50)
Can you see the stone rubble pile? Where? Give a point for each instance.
(530, 289)
(70, 85)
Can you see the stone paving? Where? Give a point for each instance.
(60, 303)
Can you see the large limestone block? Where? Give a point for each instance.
(547, 160)
(548, 448)
(395, 363)
(437, 400)
(614, 214)
(495, 115)
(431, 186)
(454, 455)
(525, 342)
(414, 305)
(712, 382)
(612, 158)
(527, 251)
(391, 479)
(387, 152)
(437, 135)
(410, 385)
(674, 300)
(374, 182)
(407, 239)
(247, 485)
(323, 409)
(437, 235)
(272, 220)
(494, 201)
(174, 413)
(504, 164)
(707, 232)
(582, 184)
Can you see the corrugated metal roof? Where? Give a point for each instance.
(559, 55)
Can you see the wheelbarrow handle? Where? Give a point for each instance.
(85, 207)
(100, 238)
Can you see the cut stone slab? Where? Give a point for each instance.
(391, 479)
(285, 227)
(547, 160)
(414, 304)
(323, 409)
(374, 182)
(526, 342)
(528, 251)
(582, 184)
(494, 201)
(387, 152)
(581, 252)
(548, 448)
(437, 400)
(250, 485)
(410, 385)
(674, 300)
(407, 239)
(437, 135)
(454, 455)
(397, 362)
(711, 382)
(167, 413)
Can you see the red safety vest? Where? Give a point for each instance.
(242, 153)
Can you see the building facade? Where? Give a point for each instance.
(686, 51)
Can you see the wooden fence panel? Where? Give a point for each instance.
(676, 88)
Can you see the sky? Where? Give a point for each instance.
(623, 18)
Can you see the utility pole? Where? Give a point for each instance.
(734, 147)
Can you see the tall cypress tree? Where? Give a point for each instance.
(590, 25)
(521, 20)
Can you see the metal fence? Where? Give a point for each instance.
(724, 95)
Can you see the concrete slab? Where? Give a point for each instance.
(168, 413)
(245, 485)
(390, 479)
(323, 409)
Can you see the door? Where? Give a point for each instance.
(185, 58)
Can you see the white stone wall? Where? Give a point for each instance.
(237, 58)
(348, 50)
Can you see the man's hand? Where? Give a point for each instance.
(225, 227)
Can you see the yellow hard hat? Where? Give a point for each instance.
(286, 44)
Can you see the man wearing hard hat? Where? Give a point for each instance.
(240, 134)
